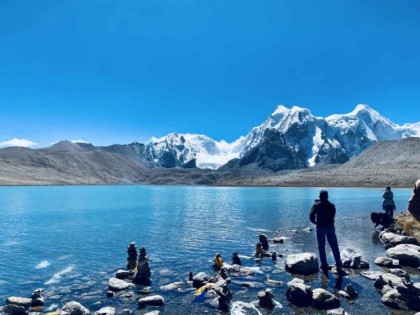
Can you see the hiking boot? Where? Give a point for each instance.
(325, 268)
(341, 272)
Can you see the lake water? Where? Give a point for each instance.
(71, 240)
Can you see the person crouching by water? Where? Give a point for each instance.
(218, 262)
(388, 204)
(323, 214)
(259, 251)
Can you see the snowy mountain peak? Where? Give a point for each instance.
(178, 150)
(314, 140)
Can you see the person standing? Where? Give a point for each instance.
(323, 214)
(388, 204)
(414, 202)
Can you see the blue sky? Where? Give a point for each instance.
(122, 71)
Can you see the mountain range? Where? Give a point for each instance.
(361, 141)
(305, 139)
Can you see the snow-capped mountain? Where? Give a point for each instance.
(334, 139)
(314, 140)
(190, 150)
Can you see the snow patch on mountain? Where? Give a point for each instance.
(206, 152)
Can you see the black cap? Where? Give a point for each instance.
(323, 194)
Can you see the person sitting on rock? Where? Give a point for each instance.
(235, 259)
(218, 262)
(388, 204)
(263, 241)
(414, 202)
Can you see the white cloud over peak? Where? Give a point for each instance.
(79, 141)
(15, 142)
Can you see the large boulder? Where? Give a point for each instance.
(299, 294)
(303, 263)
(398, 299)
(407, 254)
(393, 239)
(107, 310)
(17, 305)
(353, 259)
(115, 284)
(155, 300)
(324, 300)
(388, 279)
(387, 262)
(74, 308)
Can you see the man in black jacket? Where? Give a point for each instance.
(322, 214)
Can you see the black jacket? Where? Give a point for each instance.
(322, 213)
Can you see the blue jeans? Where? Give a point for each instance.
(328, 232)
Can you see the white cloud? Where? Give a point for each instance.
(15, 142)
(79, 141)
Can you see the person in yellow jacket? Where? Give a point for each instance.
(218, 262)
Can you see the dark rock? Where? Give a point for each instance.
(299, 294)
(123, 274)
(324, 300)
(388, 279)
(17, 305)
(110, 293)
(132, 257)
(265, 298)
(304, 263)
(143, 274)
(278, 240)
(37, 298)
(351, 291)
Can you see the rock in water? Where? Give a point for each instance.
(155, 300)
(132, 256)
(201, 279)
(172, 286)
(265, 298)
(394, 239)
(353, 259)
(17, 305)
(371, 275)
(387, 262)
(351, 291)
(37, 298)
(299, 294)
(304, 263)
(143, 274)
(115, 284)
(407, 254)
(324, 300)
(74, 308)
(108, 310)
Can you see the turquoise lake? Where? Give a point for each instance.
(71, 240)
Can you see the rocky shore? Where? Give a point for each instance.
(393, 284)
